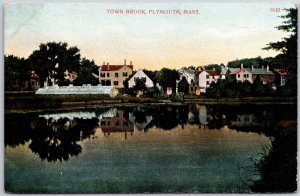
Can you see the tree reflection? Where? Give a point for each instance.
(278, 167)
(57, 141)
(52, 140)
(17, 129)
(166, 118)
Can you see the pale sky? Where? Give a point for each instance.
(220, 33)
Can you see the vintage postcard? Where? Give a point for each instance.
(150, 97)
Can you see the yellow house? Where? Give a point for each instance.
(114, 75)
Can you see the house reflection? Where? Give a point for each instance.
(140, 119)
(243, 120)
(116, 123)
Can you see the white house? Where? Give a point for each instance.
(242, 75)
(140, 75)
(205, 78)
(188, 74)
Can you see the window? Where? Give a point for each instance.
(207, 76)
(192, 81)
(125, 124)
(117, 123)
(125, 74)
(108, 123)
(107, 74)
(207, 82)
(116, 74)
(192, 89)
(102, 123)
(107, 82)
(239, 75)
(116, 83)
(102, 75)
(117, 114)
(32, 83)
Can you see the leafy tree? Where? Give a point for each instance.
(213, 66)
(167, 78)
(153, 91)
(139, 85)
(183, 86)
(53, 59)
(15, 68)
(151, 74)
(126, 84)
(86, 71)
(288, 47)
(247, 62)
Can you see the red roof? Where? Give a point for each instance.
(74, 72)
(236, 72)
(114, 67)
(210, 72)
(34, 75)
(281, 72)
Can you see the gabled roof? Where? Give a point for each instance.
(260, 71)
(189, 71)
(235, 72)
(210, 72)
(281, 72)
(114, 67)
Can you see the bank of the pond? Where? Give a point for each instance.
(25, 102)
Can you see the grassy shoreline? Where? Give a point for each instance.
(26, 102)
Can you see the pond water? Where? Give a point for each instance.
(189, 148)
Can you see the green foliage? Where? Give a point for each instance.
(85, 76)
(278, 166)
(139, 85)
(167, 78)
(15, 68)
(247, 62)
(53, 59)
(233, 89)
(153, 92)
(288, 47)
(151, 74)
(212, 67)
(183, 86)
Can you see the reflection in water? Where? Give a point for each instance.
(189, 136)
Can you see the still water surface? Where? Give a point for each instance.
(193, 148)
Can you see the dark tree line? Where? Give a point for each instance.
(51, 60)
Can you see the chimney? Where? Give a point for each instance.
(130, 62)
(103, 62)
(124, 61)
(214, 69)
(242, 66)
(107, 66)
(252, 67)
(267, 67)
